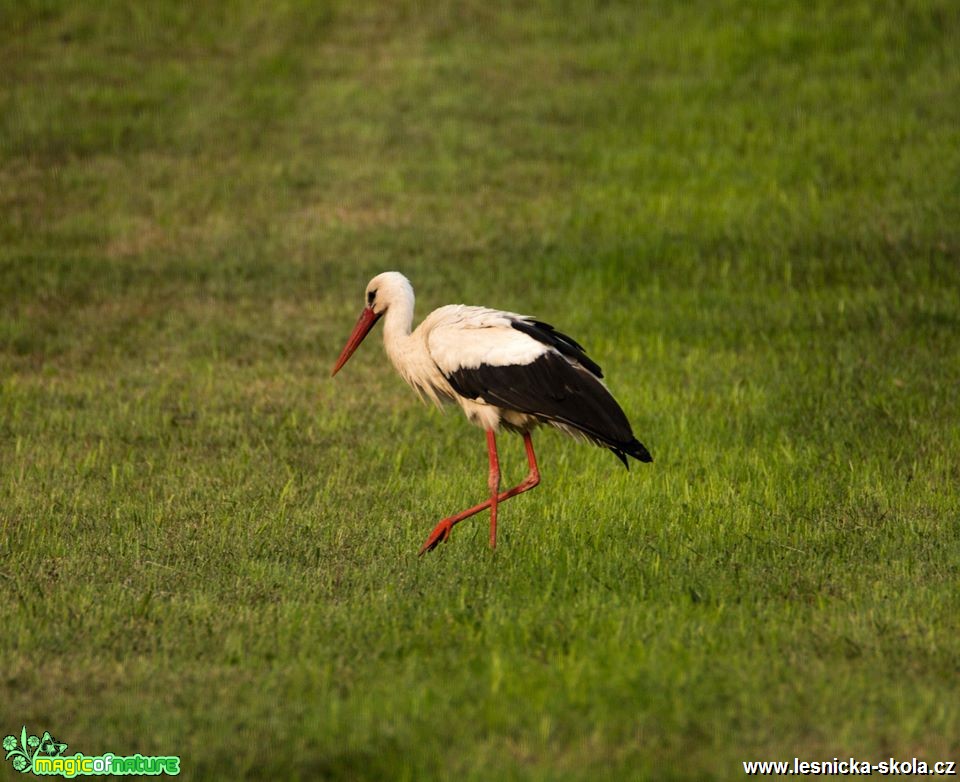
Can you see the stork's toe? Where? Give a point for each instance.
(439, 535)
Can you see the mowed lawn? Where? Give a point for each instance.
(749, 214)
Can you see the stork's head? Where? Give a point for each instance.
(382, 291)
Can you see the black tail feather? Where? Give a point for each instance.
(636, 449)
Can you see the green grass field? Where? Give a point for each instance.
(749, 213)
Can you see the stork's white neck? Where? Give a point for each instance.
(397, 323)
(408, 351)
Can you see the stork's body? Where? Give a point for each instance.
(504, 370)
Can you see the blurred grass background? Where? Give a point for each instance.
(749, 213)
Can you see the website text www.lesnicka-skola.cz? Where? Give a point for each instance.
(850, 767)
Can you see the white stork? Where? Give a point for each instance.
(504, 370)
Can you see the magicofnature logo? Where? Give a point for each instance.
(44, 756)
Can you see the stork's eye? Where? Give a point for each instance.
(371, 296)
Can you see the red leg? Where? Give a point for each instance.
(442, 531)
(494, 484)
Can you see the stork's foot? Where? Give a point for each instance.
(439, 535)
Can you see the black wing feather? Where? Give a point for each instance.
(548, 335)
(552, 389)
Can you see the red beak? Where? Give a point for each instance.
(367, 318)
